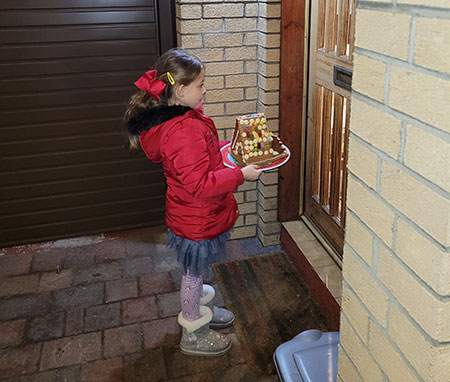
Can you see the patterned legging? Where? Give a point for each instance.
(190, 292)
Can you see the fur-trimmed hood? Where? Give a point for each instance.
(154, 116)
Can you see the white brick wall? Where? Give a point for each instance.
(239, 41)
(396, 288)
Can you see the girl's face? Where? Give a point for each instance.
(192, 94)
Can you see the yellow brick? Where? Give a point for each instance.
(346, 371)
(208, 55)
(420, 203)
(243, 232)
(269, 177)
(268, 216)
(371, 210)
(247, 186)
(431, 362)
(269, 40)
(429, 312)
(199, 26)
(427, 260)
(269, 98)
(214, 109)
(240, 25)
(240, 221)
(363, 163)
(251, 38)
(432, 44)
(241, 53)
(359, 238)
(268, 203)
(268, 83)
(428, 155)
(358, 354)
(269, 70)
(420, 95)
(383, 32)
(214, 82)
(226, 122)
(268, 240)
(251, 10)
(376, 127)
(429, 3)
(355, 313)
(244, 107)
(269, 55)
(388, 358)
(269, 228)
(222, 40)
(269, 25)
(251, 93)
(369, 76)
(363, 284)
(271, 112)
(251, 66)
(251, 219)
(189, 11)
(221, 10)
(191, 41)
(240, 80)
(251, 196)
(224, 95)
(269, 191)
(222, 68)
(270, 10)
(247, 208)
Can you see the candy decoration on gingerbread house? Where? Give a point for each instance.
(252, 142)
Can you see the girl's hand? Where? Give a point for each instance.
(251, 172)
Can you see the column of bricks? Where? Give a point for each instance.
(396, 288)
(239, 43)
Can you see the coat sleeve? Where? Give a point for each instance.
(188, 154)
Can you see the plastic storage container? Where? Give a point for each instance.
(311, 356)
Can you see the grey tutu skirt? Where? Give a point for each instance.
(195, 256)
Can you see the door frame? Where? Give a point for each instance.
(293, 92)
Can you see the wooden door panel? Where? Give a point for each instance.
(330, 66)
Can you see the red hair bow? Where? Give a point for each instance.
(150, 85)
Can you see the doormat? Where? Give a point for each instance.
(272, 304)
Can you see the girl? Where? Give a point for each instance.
(165, 119)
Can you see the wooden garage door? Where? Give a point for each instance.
(67, 68)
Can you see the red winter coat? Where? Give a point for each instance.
(199, 199)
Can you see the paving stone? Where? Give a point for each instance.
(252, 246)
(138, 266)
(24, 306)
(139, 310)
(79, 257)
(168, 304)
(66, 351)
(46, 327)
(234, 250)
(81, 296)
(102, 317)
(177, 275)
(238, 373)
(54, 280)
(136, 248)
(179, 365)
(18, 285)
(148, 366)
(108, 370)
(110, 250)
(47, 261)
(166, 260)
(160, 333)
(74, 321)
(123, 340)
(11, 333)
(102, 272)
(121, 290)
(12, 265)
(15, 362)
(155, 283)
(66, 374)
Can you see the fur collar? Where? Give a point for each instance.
(154, 116)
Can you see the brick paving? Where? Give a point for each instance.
(103, 308)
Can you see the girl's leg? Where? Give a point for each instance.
(190, 293)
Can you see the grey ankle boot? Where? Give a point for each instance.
(222, 318)
(198, 339)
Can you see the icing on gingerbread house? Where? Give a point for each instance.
(252, 142)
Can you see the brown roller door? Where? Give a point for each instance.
(66, 71)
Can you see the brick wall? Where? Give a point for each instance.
(239, 41)
(396, 292)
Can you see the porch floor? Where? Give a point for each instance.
(103, 308)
